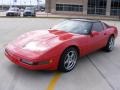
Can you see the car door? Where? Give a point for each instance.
(96, 39)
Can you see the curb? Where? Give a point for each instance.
(68, 17)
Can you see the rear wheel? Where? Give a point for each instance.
(68, 60)
(110, 44)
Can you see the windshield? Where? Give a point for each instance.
(74, 26)
(13, 9)
(29, 8)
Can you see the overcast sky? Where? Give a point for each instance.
(20, 2)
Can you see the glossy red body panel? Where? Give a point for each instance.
(55, 42)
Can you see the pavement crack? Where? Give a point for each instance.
(103, 76)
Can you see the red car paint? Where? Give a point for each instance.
(54, 42)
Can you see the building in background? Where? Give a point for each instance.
(84, 7)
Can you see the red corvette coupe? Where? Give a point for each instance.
(60, 47)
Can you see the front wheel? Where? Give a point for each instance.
(68, 60)
(110, 44)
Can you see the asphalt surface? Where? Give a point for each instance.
(97, 71)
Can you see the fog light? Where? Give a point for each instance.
(51, 61)
(27, 62)
(36, 63)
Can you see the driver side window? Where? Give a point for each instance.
(97, 27)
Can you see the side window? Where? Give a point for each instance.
(105, 25)
(97, 27)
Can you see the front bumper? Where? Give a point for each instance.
(28, 14)
(17, 60)
(11, 14)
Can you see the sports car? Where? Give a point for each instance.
(60, 47)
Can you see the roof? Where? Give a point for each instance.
(87, 20)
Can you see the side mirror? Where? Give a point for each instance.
(94, 33)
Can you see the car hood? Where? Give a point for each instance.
(28, 11)
(11, 11)
(38, 41)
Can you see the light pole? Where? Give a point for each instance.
(30, 2)
(10, 3)
(38, 4)
(2, 5)
(25, 3)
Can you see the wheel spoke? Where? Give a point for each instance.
(111, 43)
(71, 59)
(66, 61)
(69, 65)
(68, 55)
(73, 54)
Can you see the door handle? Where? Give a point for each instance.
(105, 33)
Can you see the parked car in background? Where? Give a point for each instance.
(13, 11)
(29, 11)
(42, 9)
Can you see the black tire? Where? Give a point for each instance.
(66, 59)
(110, 44)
